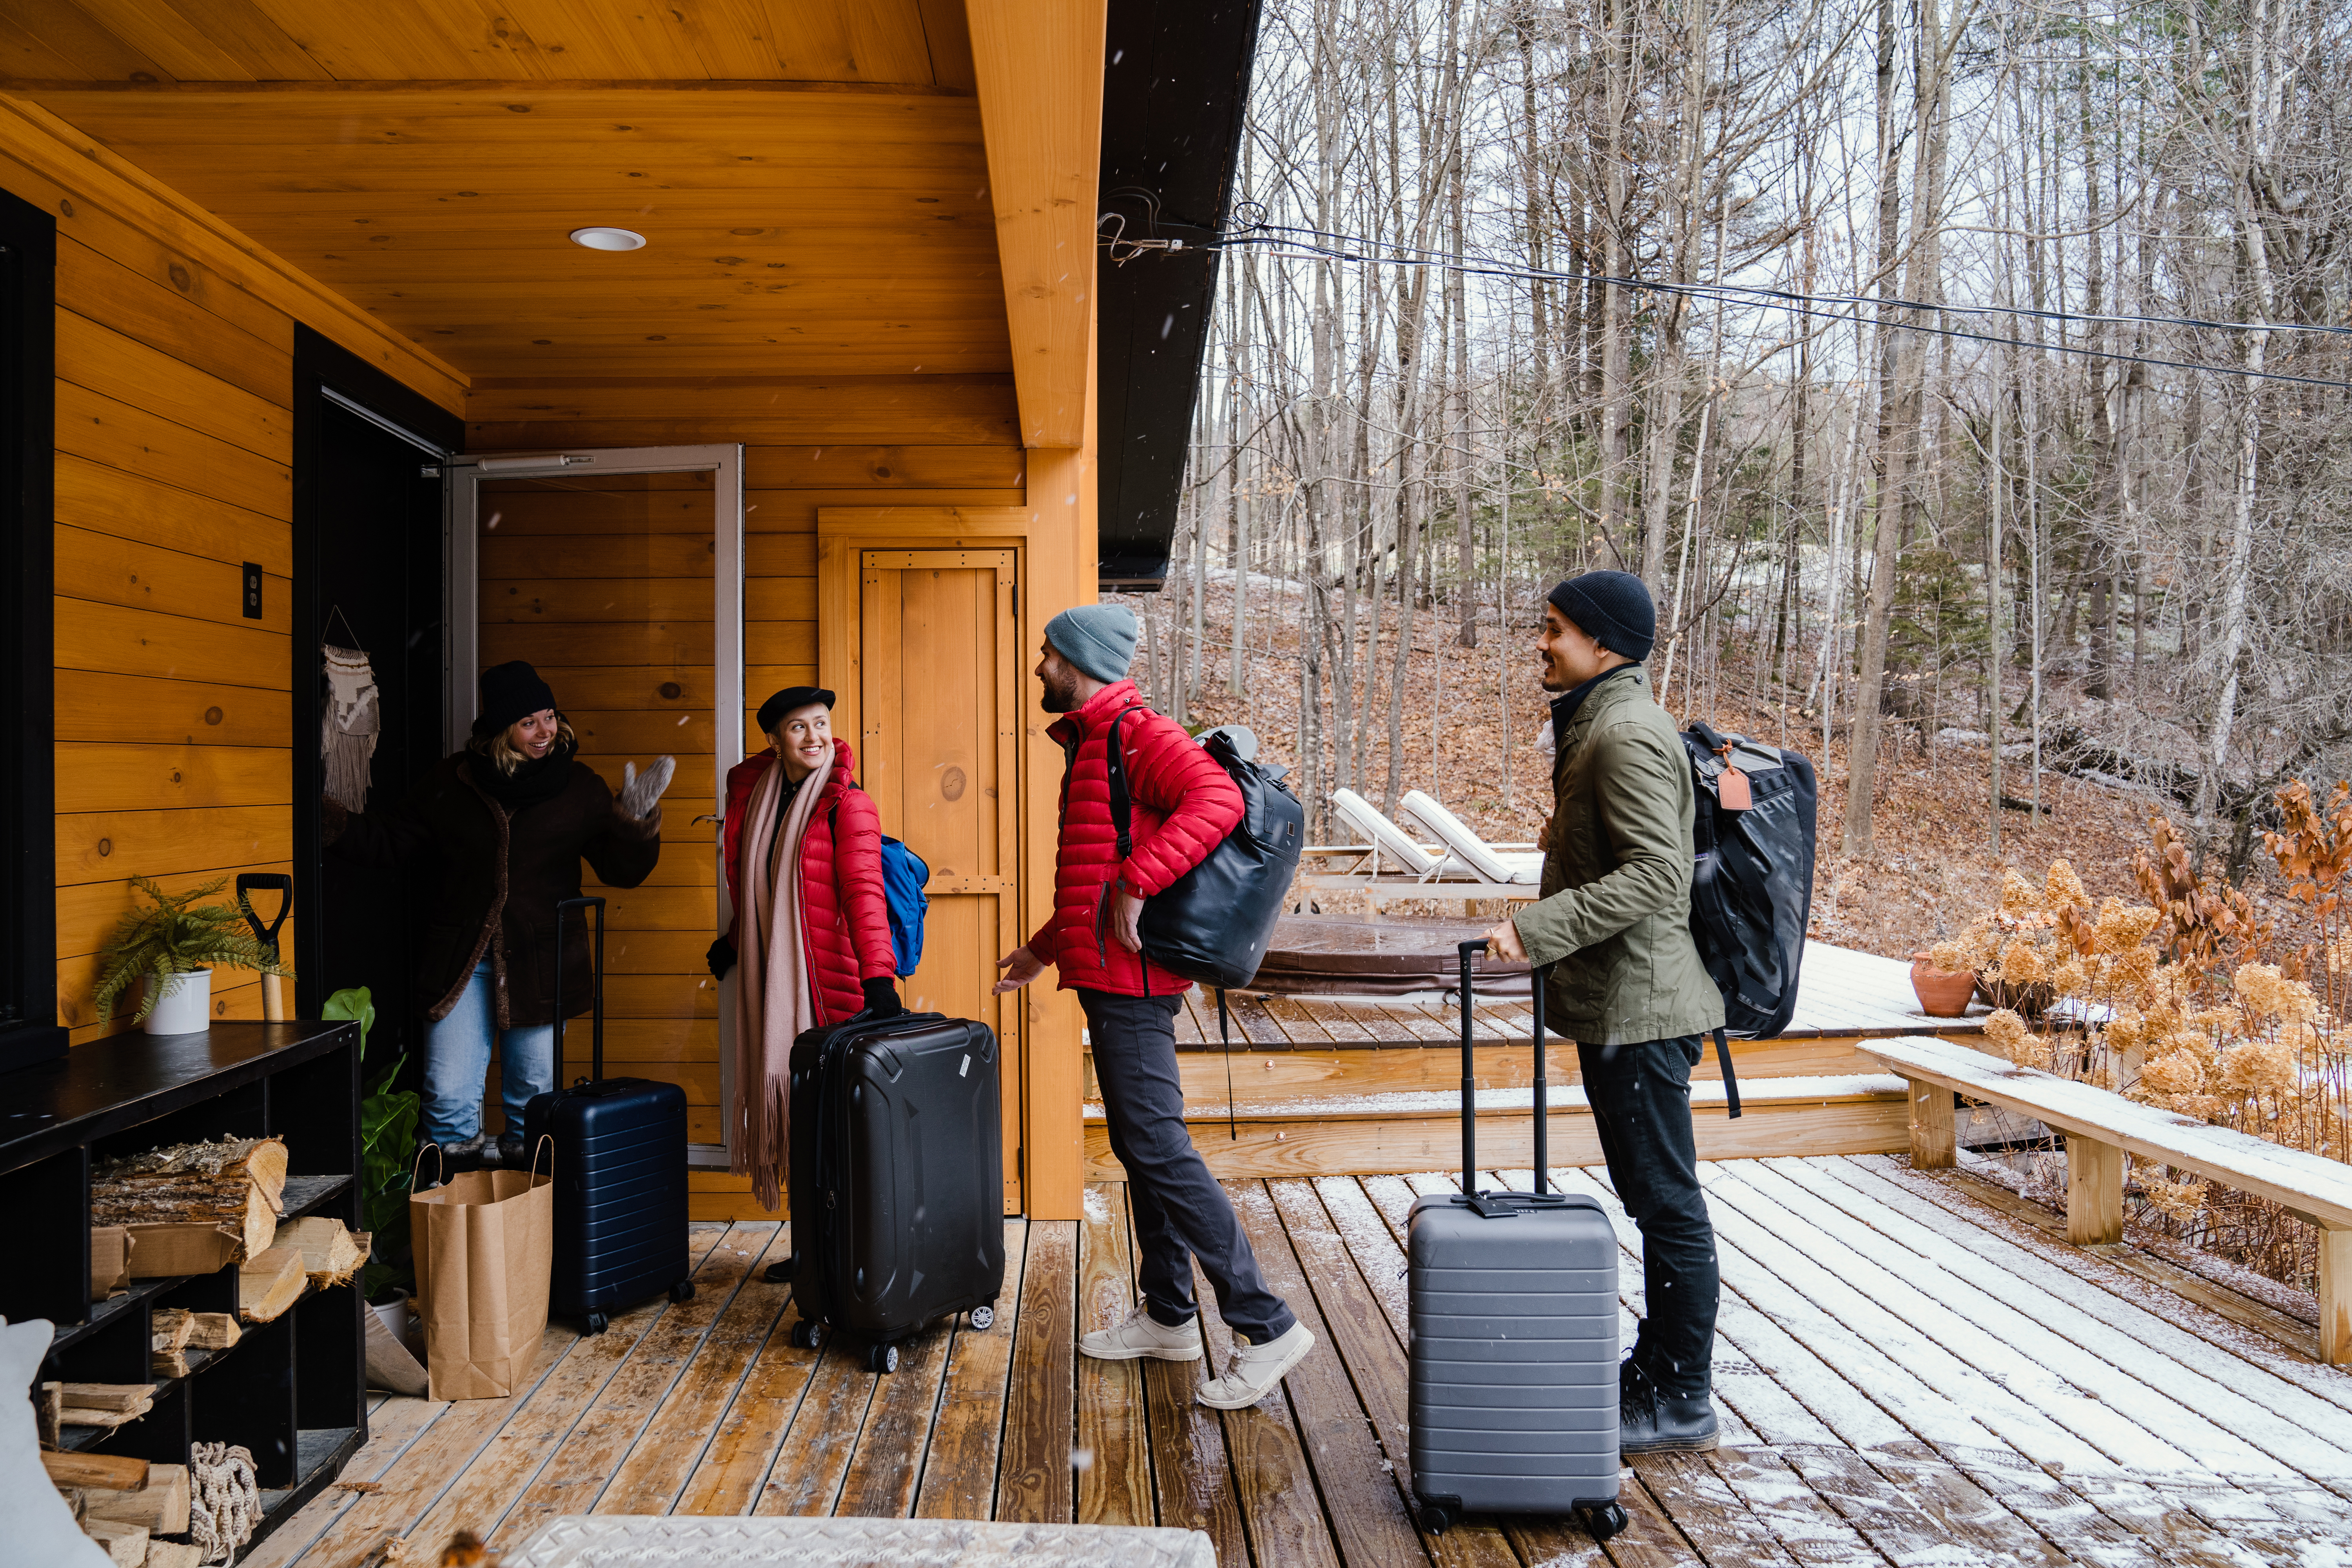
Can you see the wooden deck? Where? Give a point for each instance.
(1911, 1371)
(1325, 1085)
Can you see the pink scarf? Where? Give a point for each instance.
(772, 1006)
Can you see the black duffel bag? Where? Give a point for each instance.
(1213, 923)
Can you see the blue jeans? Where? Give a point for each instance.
(458, 1053)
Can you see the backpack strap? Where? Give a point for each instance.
(1730, 1080)
(1122, 806)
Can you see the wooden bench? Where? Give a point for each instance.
(2101, 1128)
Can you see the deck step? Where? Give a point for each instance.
(1262, 1073)
(1398, 1133)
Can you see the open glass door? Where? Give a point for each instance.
(618, 573)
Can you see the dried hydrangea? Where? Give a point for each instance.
(2177, 1074)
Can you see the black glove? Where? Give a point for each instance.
(721, 958)
(882, 998)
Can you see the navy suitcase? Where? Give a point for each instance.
(620, 1171)
(898, 1179)
(1512, 1300)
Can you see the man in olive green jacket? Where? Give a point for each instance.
(1627, 983)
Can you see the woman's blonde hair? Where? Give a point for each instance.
(495, 746)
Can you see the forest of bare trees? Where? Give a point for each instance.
(1964, 367)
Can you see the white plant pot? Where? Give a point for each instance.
(185, 1006)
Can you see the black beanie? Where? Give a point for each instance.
(1613, 608)
(772, 712)
(512, 692)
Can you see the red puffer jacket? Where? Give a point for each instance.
(1184, 804)
(846, 913)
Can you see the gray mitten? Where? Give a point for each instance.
(641, 791)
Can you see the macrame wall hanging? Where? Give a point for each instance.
(349, 722)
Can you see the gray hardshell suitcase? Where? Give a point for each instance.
(1514, 1358)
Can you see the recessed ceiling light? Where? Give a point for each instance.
(609, 238)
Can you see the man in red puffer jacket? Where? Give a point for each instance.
(1183, 806)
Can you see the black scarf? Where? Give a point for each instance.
(534, 780)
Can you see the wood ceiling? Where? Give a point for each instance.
(810, 174)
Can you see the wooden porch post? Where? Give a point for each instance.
(1038, 71)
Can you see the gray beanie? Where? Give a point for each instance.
(1099, 639)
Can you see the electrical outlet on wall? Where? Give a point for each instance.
(252, 591)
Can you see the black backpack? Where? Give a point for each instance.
(1215, 923)
(1752, 883)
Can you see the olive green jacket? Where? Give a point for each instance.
(1614, 920)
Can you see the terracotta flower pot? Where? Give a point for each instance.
(1942, 993)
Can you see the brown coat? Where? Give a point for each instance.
(500, 877)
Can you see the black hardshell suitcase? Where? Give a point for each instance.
(620, 1171)
(1512, 1298)
(898, 1179)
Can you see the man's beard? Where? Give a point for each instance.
(1061, 697)
(1553, 679)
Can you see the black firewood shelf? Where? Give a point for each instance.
(292, 1391)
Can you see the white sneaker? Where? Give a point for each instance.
(1143, 1335)
(1255, 1369)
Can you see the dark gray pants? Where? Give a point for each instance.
(1180, 1212)
(1640, 1096)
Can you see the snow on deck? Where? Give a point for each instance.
(1909, 1375)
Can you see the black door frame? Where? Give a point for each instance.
(29, 1030)
(323, 370)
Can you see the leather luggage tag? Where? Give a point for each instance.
(1731, 790)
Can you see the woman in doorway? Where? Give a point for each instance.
(505, 823)
(811, 942)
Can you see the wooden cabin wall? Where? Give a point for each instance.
(604, 584)
(175, 447)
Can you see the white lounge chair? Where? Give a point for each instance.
(1392, 843)
(1490, 865)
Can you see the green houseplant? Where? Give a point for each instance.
(387, 1137)
(173, 948)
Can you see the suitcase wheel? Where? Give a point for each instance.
(682, 1291)
(597, 1322)
(1604, 1522)
(807, 1334)
(1436, 1517)
(983, 1317)
(882, 1358)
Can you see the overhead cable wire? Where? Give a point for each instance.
(1836, 307)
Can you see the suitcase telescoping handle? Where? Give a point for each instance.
(1469, 951)
(596, 988)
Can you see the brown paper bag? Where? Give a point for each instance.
(484, 1246)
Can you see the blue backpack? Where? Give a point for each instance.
(905, 874)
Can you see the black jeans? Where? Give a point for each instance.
(1640, 1096)
(1180, 1212)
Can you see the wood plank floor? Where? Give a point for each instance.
(1907, 1374)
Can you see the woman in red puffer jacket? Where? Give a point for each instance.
(810, 945)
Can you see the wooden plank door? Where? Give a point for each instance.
(938, 667)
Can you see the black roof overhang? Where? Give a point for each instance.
(1176, 79)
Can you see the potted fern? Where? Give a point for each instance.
(173, 948)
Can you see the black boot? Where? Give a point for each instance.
(1650, 1421)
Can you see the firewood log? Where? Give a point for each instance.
(238, 1184)
(106, 1396)
(126, 1544)
(174, 1554)
(162, 1505)
(83, 1415)
(168, 1331)
(330, 1253)
(268, 1284)
(113, 1471)
(214, 1331)
(48, 1413)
